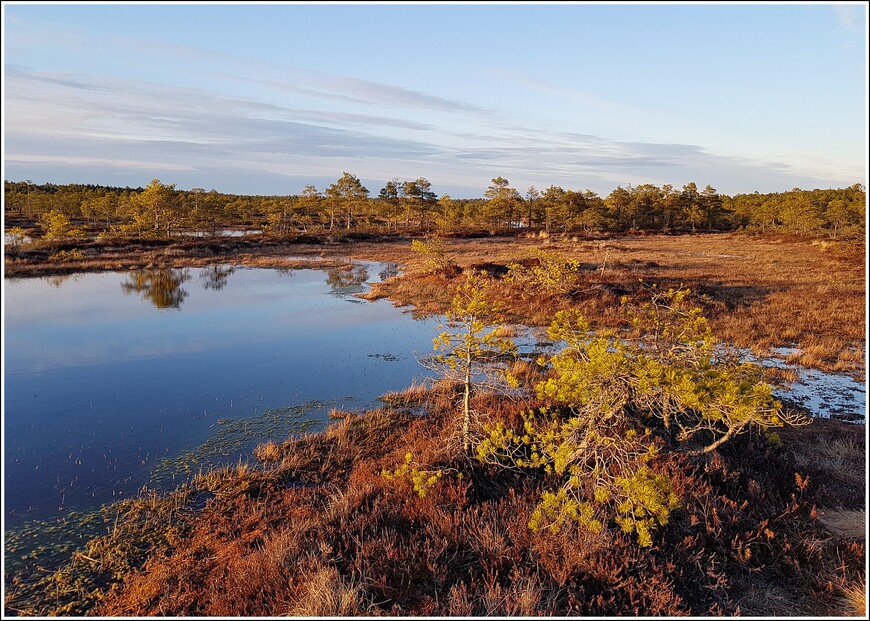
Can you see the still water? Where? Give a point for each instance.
(116, 380)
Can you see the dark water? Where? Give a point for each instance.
(116, 380)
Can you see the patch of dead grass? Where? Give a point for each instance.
(855, 599)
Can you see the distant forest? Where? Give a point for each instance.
(160, 210)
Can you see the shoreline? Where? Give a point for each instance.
(774, 293)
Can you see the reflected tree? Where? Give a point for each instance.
(161, 286)
(216, 276)
(390, 270)
(58, 279)
(347, 279)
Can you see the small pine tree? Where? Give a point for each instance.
(606, 395)
(469, 344)
(56, 225)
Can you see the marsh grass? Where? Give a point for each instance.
(849, 524)
(316, 530)
(759, 292)
(855, 599)
(328, 594)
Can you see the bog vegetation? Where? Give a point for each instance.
(631, 468)
(636, 464)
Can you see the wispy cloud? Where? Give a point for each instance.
(355, 90)
(150, 115)
(85, 126)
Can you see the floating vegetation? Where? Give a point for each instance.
(388, 357)
(91, 551)
(48, 543)
(65, 565)
(234, 435)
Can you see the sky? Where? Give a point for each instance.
(267, 98)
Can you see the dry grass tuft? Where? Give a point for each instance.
(413, 396)
(327, 594)
(833, 455)
(843, 456)
(855, 600)
(507, 332)
(267, 453)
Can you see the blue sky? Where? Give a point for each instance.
(263, 99)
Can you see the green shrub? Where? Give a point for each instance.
(61, 256)
(547, 271)
(422, 480)
(437, 260)
(617, 401)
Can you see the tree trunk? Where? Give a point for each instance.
(466, 411)
(713, 446)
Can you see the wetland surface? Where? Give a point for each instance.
(120, 379)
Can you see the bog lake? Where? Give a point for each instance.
(118, 380)
(112, 378)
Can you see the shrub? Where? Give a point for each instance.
(602, 464)
(547, 271)
(423, 480)
(437, 261)
(61, 256)
(600, 436)
(669, 367)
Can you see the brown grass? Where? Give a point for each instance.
(327, 594)
(855, 599)
(318, 531)
(761, 292)
(267, 453)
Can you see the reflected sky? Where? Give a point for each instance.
(104, 379)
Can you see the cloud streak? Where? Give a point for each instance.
(76, 125)
(355, 90)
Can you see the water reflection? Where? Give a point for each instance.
(58, 279)
(216, 277)
(101, 388)
(347, 279)
(162, 286)
(390, 270)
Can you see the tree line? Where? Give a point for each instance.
(161, 210)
